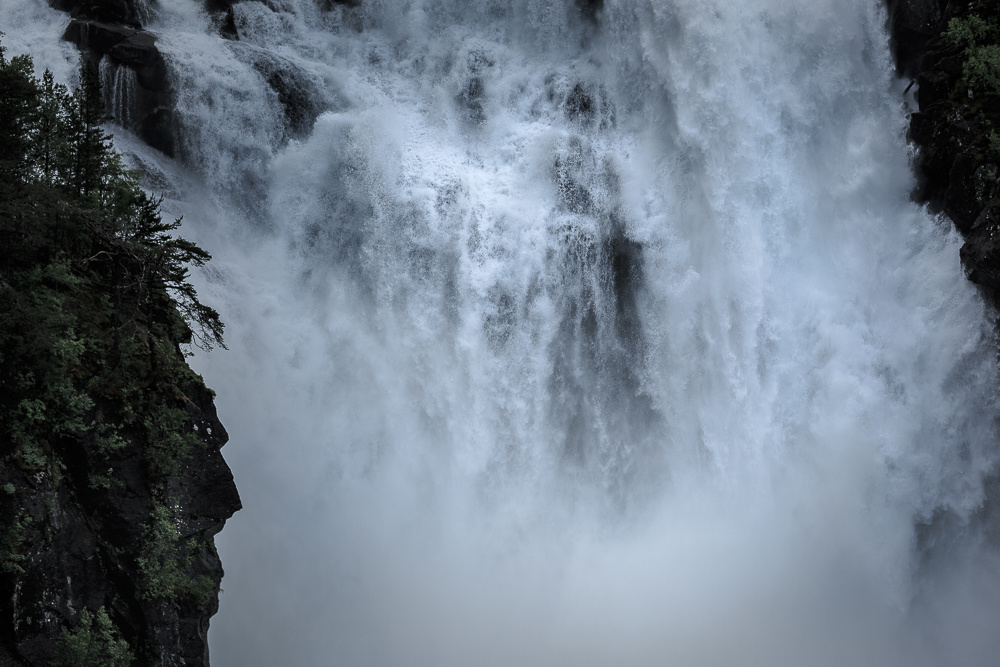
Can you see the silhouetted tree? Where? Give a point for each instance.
(50, 146)
(90, 147)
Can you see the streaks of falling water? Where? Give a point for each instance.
(119, 83)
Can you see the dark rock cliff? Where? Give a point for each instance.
(112, 483)
(944, 46)
(78, 546)
(136, 81)
(135, 75)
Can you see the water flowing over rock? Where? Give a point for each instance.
(151, 110)
(133, 13)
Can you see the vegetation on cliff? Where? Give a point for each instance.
(99, 411)
(978, 35)
(959, 97)
(958, 128)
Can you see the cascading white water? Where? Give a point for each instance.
(119, 83)
(576, 338)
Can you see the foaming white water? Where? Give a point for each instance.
(119, 83)
(559, 341)
(35, 28)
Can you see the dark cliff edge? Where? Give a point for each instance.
(950, 51)
(112, 483)
(73, 548)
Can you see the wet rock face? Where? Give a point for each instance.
(912, 24)
(330, 4)
(79, 547)
(125, 12)
(301, 99)
(590, 8)
(981, 253)
(971, 184)
(151, 102)
(135, 75)
(957, 167)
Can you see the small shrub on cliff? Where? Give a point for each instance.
(979, 35)
(169, 443)
(163, 556)
(95, 642)
(10, 538)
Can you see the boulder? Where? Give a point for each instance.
(96, 36)
(151, 102)
(302, 100)
(125, 12)
(139, 52)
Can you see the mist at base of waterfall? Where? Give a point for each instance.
(574, 338)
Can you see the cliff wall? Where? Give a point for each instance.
(950, 49)
(112, 483)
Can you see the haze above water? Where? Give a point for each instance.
(576, 338)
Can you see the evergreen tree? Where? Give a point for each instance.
(90, 147)
(18, 97)
(94, 286)
(52, 139)
(49, 144)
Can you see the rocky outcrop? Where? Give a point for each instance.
(957, 175)
(135, 76)
(133, 13)
(111, 34)
(959, 162)
(112, 483)
(82, 545)
(136, 84)
(912, 24)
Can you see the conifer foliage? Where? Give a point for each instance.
(77, 228)
(91, 277)
(53, 140)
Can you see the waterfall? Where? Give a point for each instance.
(580, 333)
(119, 84)
(145, 10)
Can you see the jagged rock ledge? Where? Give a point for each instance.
(80, 546)
(137, 85)
(112, 31)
